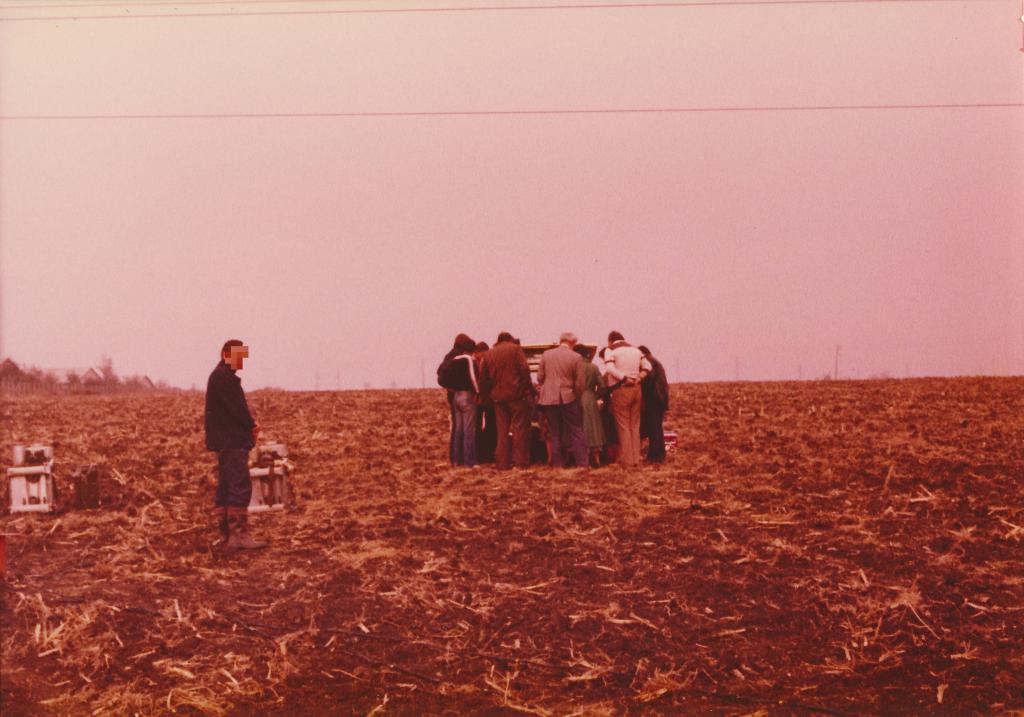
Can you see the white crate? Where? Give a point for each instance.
(31, 488)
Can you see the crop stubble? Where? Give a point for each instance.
(839, 548)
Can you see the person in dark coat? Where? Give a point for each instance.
(505, 377)
(460, 340)
(457, 374)
(654, 391)
(231, 433)
(486, 427)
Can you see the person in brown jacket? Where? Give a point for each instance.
(505, 377)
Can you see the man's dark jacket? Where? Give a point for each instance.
(228, 421)
(654, 387)
(460, 371)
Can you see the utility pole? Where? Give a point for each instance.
(423, 374)
(835, 371)
(316, 380)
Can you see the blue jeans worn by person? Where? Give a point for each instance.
(451, 436)
(464, 438)
(569, 415)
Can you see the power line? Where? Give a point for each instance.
(186, 3)
(468, 8)
(512, 113)
(172, 3)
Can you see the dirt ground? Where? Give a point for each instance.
(810, 548)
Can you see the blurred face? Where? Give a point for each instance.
(236, 357)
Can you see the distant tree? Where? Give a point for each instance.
(107, 371)
(74, 380)
(10, 371)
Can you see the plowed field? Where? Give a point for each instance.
(815, 547)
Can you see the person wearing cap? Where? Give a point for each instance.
(624, 368)
(231, 433)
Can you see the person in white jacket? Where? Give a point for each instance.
(625, 367)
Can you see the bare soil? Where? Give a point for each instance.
(810, 548)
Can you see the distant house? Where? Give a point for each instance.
(147, 383)
(91, 376)
(86, 376)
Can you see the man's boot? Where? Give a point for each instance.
(240, 538)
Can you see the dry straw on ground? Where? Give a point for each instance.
(844, 548)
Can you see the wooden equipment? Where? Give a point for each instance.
(269, 476)
(30, 480)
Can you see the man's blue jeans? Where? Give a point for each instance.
(464, 433)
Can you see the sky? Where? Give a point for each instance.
(345, 191)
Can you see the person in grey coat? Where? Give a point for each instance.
(561, 379)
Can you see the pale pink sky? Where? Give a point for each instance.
(363, 244)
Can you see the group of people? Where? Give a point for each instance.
(586, 417)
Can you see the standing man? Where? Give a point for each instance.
(486, 428)
(624, 368)
(231, 432)
(505, 377)
(654, 389)
(457, 374)
(561, 378)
